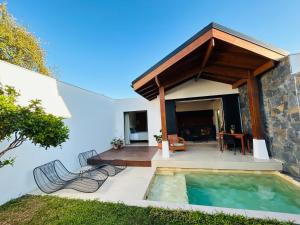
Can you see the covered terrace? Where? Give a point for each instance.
(218, 54)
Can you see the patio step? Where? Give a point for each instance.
(169, 189)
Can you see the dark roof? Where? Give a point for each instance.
(203, 31)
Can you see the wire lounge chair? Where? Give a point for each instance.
(54, 176)
(112, 168)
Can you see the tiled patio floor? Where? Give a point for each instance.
(208, 156)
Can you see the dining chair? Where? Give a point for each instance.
(229, 140)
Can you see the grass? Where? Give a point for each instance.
(53, 210)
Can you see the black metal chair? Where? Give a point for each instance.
(111, 168)
(54, 176)
(229, 140)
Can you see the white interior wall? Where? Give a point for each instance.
(90, 119)
(194, 105)
(201, 88)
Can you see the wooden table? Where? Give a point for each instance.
(240, 136)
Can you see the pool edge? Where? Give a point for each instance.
(259, 214)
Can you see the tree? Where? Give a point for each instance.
(21, 123)
(18, 46)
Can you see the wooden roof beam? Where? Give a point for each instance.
(232, 65)
(239, 83)
(208, 52)
(232, 79)
(217, 78)
(145, 88)
(226, 71)
(226, 75)
(239, 42)
(211, 70)
(184, 76)
(172, 60)
(264, 68)
(258, 71)
(151, 95)
(157, 82)
(217, 34)
(148, 91)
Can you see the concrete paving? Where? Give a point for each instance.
(208, 156)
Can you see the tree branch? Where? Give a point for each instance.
(14, 144)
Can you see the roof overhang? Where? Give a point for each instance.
(215, 53)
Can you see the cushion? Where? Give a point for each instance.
(177, 144)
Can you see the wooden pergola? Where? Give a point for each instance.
(215, 53)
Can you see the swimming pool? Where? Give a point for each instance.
(268, 192)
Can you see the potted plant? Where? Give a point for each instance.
(117, 143)
(232, 128)
(158, 138)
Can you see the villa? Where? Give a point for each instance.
(218, 83)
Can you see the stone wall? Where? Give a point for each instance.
(280, 112)
(244, 110)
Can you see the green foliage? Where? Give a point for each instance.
(53, 210)
(158, 137)
(117, 143)
(21, 123)
(18, 46)
(6, 162)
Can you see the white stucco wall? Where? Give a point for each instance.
(32, 85)
(138, 104)
(91, 122)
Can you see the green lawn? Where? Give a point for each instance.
(53, 210)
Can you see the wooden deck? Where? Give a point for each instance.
(130, 156)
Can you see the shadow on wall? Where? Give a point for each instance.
(92, 118)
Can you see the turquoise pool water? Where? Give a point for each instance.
(230, 190)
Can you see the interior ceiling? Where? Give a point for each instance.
(197, 105)
(227, 63)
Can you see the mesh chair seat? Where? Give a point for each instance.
(110, 168)
(54, 176)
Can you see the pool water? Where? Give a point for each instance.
(231, 190)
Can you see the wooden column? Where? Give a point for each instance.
(163, 112)
(254, 106)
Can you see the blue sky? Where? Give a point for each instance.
(103, 45)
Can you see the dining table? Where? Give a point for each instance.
(240, 136)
